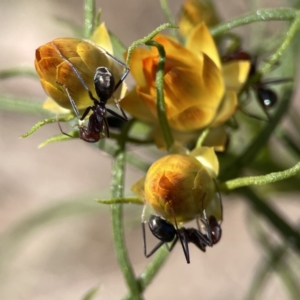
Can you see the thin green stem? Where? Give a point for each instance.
(202, 137)
(145, 39)
(278, 14)
(275, 57)
(160, 99)
(122, 201)
(259, 180)
(289, 234)
(169, 17)
(63, 118)
(18, 71)
(21, 105)
(245, 158)
(273, 14)
(275, 261)
(89, 18)
(117, 188)
(151, 270)
(59, 138)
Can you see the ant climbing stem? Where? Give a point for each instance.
(105, 87)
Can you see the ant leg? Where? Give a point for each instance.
(86, 112)
(183, 241)
(106, 127)
(92, 97)
(62, 130)
(123, 76)
(72, 66)
(116, 115)
(71, 99)
(120, 108)
(124, 65)
(145, 243)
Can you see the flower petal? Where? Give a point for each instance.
(52, 106)
(102, 39)
(138, 188)
(135, 106)
(136, 65)
(208, 158)
(176, 51)
(216, 138)
(236, 73)
(201, 41)
(228, 107)
(194, 97)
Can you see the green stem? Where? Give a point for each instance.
(123, 201)
(169, 17)
(289, 234)
(275, 57)
(259, 180)
(273, 14)
(21, 105)
(275, 261)
(202, 137)
(245, 158)
(145, 39)
(160, 100)
(18, 71)
(117, 187)
(278, 14)
(89, 18)
(151, 270)
(63, 118)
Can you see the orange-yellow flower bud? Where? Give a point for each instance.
(54, 62)
(179, 187)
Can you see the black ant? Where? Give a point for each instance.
(267, 98)
(166, 232)
(105, 87)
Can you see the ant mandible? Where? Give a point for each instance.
(166, 232)
(105, 87)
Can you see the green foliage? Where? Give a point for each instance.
(254, 157)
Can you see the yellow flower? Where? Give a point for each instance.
(182, 187)
(85, 56)
(199, 91)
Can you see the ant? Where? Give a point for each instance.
(267, 98)
(105, 87)
(166, 232)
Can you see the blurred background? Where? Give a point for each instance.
(55, 239)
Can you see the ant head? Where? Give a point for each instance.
(161, 228)
(215, 228)
(104, 84)
(267, 97)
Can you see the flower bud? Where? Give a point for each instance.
(64, 60)
(179, 187)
